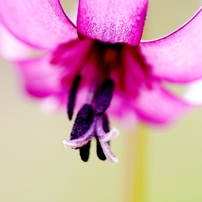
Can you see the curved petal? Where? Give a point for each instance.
(193, 93)
(112, 20)
(10, 47)
(41, 79)
(52, 104)
(177, 57)
(158, 106)
(39, 23)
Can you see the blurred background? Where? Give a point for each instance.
(34, 166)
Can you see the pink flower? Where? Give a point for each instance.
(103, 64)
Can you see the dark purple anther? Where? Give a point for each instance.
(106, 129)
(85, 151)
(100, 152)
(72, 96)
(82, 124)
(104, 97)
(83, 121)
(106, 124)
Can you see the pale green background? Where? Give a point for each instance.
(34, 166)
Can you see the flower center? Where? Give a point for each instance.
(91, 120)
(99, 67)
(107, 58)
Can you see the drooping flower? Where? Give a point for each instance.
(101, 65)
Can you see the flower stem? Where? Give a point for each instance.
(137, 165)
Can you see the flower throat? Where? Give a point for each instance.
(91, 120)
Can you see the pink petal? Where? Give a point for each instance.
(193, 92)
(52, 104)
(112, 20)
(10, 47)
(41, 79)
(39, 23)
(158, 105)
(178, 56)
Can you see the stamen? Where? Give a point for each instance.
(85, 151)
(72, 96)
(104, 97)
(102, 135)
(104, 138)
(108, 153)
(110, 135)
(105, 124)
(80, 141)
(83, 122)
(100, 152)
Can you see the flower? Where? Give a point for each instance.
(102, 65)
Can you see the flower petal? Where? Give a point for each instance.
(193, 93)
(10, 47)
(41, 79)
(112, 20)
(177, 57)
(39, 23)
(158, 106)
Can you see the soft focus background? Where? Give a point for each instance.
(34, 166)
